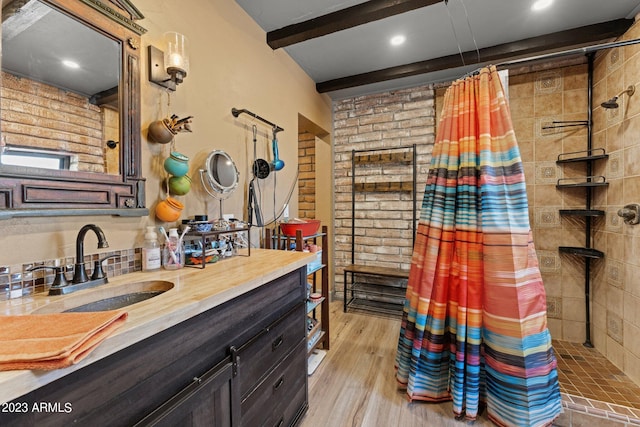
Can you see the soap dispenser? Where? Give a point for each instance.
(151, 259)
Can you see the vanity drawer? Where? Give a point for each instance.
(257, 357)
(280, 398)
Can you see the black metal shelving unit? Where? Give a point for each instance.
(204, 236)
(368, 287)
(589, 183)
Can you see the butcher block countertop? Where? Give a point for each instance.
(195, 291)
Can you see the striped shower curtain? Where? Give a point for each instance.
(474, 327)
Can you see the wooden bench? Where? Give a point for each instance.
(369, 270)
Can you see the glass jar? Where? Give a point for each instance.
(173, 256)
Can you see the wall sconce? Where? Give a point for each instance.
(169, 68)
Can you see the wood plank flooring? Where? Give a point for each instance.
(355, 384)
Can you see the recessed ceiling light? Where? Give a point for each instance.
(70, 64)
(397, 40)
(541, 4)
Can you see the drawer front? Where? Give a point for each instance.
(260, 355)
(280, 399)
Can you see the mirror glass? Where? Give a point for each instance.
(221, 172)
(60, 86)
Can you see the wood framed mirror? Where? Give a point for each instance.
(70, 109)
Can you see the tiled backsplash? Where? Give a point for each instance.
(17, 281)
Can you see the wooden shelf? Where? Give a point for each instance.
(378, 158)
(384, 187)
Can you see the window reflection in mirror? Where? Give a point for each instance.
(38, 159)
(60, 86)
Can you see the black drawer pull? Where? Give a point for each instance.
(277, 343)
(280, 423)
(279, 383)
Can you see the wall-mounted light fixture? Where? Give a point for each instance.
(169, 68)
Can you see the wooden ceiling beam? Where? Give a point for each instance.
(576, 37)
(341, 20)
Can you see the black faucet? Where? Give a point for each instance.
(80, 273)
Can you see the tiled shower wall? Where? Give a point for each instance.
(616, 293)
(536, 100)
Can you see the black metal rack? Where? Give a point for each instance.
(204, 235)
(369, 287)
(590, 182)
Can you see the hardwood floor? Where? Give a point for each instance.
(355, 384)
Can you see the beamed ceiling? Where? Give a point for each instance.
(344, 45)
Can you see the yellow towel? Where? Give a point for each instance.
(53, 341)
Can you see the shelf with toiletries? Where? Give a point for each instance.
(317, 287)
(208, 247)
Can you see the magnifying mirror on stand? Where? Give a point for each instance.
(219, 177)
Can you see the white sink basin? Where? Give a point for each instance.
(107, 297)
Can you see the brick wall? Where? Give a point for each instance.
(383, 218)
(306, 175)
(111, 131)
(36, 115)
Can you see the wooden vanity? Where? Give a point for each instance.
(204, 353)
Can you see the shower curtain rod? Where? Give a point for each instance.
(237, 112)
(580, 50)
(585, 50)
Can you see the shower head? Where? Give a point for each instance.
(613, 102)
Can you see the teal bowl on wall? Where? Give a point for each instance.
(177, 164)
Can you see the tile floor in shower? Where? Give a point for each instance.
(585, 373)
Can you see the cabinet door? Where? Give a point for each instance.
(210, 400)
